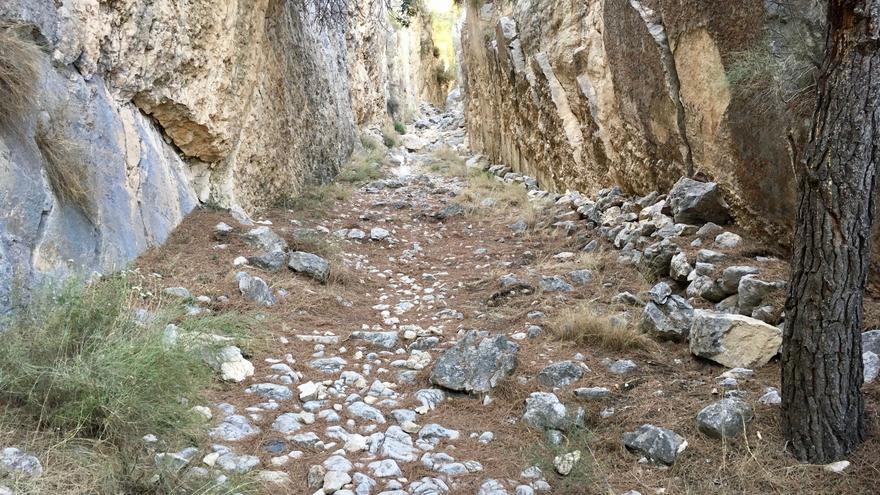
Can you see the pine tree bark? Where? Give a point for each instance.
(822, 404)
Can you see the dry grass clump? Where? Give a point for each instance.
(315, 201)
(389, 136)
(19, 68)
(64, 163)
(318, 243)
(369, 143)
(445, 161)
(780, 70)
(342, 275)
(510, 199)
(596, 262)
(365, 165)
(584, 326)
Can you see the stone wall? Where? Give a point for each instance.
(162, 105)
(587, 94)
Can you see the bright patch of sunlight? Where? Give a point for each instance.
(439, 5)
(443, 15)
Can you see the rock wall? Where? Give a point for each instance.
(587, 94)
(161, 105)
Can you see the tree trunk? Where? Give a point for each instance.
(822, 404)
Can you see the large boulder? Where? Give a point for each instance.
(871, 366)
(735, 341)
(412, 142)
(18, 463)
(731, 276)
(233, 367)
(707, 288)
(658, 445)
(680, 268)
(387, 340)
(271, 261)
(696, 202)
(475, 365)
(725, 419)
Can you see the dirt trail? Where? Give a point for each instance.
(431, 279)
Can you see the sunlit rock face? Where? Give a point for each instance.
(635, 93)
(161, 106)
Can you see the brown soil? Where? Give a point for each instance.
(668, 389)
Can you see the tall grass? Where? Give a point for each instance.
(77, 361)
(64, 158)
(19, 69)
(82, 380)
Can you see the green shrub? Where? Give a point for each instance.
(779, 71)
(400, 128)
(76, 360)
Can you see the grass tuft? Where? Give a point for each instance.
(65, 163)
(443, 75)
(77, 361)
(82, 380)
(316, 242)
(445, 161)
(369, 143)
(389, 136)
(511, 199)
(20, 59)
(583, 326)
(316, 201)
(364, 166)
(400, 128)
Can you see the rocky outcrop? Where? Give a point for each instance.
(147, 109)
(636, 93)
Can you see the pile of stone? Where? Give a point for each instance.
(743, 328)
(273, 255)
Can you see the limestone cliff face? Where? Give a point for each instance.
(586, 94)
(161, 105)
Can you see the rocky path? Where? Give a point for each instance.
(412, 336)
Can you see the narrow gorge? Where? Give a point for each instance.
(406, 247)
